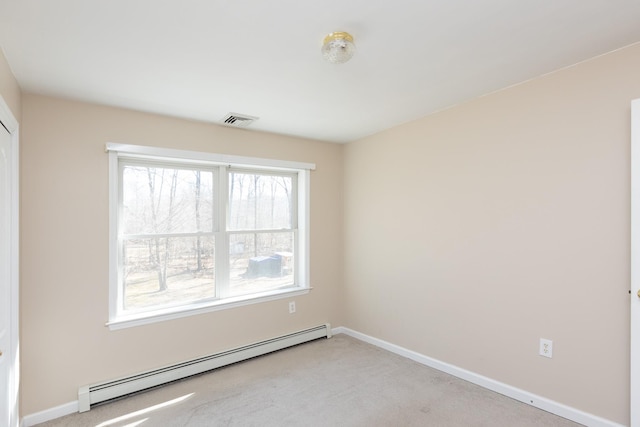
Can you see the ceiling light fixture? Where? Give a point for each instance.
(338, 47)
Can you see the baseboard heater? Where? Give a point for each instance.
(101, 392)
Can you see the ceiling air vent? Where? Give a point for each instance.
(238, 120)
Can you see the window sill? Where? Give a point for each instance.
(138, 319)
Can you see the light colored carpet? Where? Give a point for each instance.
(336, 382)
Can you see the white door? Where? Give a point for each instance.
(9, 375)
(635, 263)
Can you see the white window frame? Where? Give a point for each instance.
(118, 319)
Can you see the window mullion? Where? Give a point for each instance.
(222, 237)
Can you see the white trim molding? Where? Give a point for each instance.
(50, 414)
(524, 396)
(221, 165)
(488, 383)
(634, 374)
(12, 354)
(221, 159)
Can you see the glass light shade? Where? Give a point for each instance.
(338, 47)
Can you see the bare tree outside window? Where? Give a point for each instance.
(169, 235)
(158, 257)
(194, 232)
(262, 232)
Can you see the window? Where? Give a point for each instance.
(194, 232)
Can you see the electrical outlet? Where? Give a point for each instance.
(292, 307)
(546, 348)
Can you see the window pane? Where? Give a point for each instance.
(260, 262)
(167, 271)
(164, 200)
(260, 202)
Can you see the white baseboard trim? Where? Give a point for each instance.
(50, 414)
(540, 402)
(543, 403)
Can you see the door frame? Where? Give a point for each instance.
(634, 376)
(10, 122)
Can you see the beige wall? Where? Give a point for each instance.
(468, 235)
(474, 232)
(9, 89)
(64, 249)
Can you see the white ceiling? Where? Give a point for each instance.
(201, 59)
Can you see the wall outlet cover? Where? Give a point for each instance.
(546, 348)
